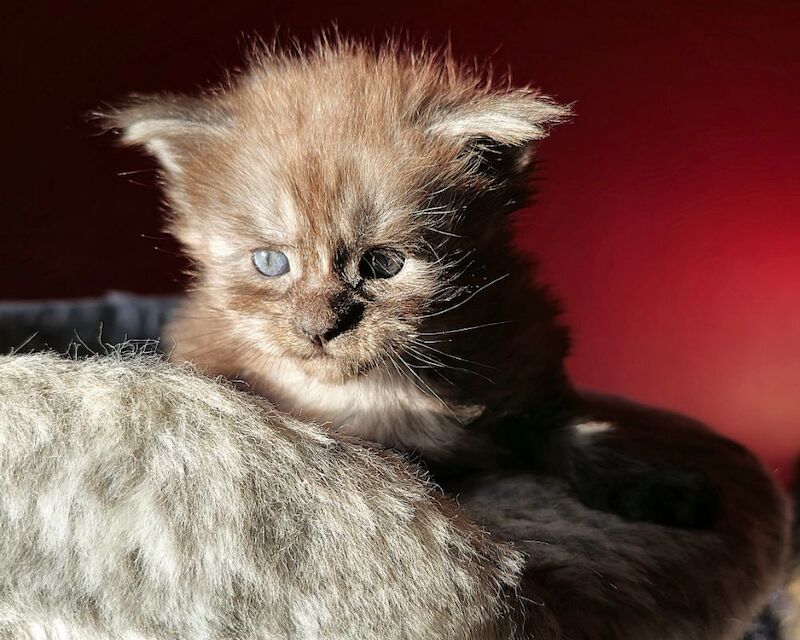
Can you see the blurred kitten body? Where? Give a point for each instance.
(346, 211)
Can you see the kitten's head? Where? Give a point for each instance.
(332, 201)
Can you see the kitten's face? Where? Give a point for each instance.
(317, 254)
(319, 242)
(322, 199)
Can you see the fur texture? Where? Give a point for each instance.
(330, 155)
(139, 500)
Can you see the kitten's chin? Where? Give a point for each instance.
(332, 369)
(336, 361)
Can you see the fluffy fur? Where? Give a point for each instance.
(139, 500)
(325, 156)
(329, 154)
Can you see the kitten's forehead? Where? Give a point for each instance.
(338, 141)
(340, 147)
(329, 189)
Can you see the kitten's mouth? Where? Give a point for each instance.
(313, 352)
(318, 346)
(333, 360)
(318, 349)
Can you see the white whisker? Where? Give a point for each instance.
(467, 299)
(463, 329)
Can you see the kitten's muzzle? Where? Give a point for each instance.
(321, 326)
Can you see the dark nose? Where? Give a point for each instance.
(322, 325)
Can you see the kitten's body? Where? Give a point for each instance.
(458, 356)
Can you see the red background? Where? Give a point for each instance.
(669, 210)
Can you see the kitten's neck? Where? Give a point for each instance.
(389, 409)
(377, 406)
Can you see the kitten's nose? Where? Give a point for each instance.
(323, 325)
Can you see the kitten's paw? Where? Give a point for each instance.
(608, 479)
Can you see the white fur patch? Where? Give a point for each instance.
(221, 248)
(165, 154)
(55, 630)
(289, 215)
(593, 428)
(503, 127)
(395, 413)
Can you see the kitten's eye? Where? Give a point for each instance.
(270, 263)
(381, 263)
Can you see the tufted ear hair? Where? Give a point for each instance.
(498, 130)
(170, 127)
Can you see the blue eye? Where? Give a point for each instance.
(381, 263)
(270, 263)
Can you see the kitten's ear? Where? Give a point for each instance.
(498, 130)
(170, 127)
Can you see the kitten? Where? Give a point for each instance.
(347, 213)
(348, 217)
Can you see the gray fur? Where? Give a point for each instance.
(593, 576)
(139, 500)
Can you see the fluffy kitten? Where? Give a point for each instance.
(347, 214)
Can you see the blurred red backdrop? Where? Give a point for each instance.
(669, 210)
